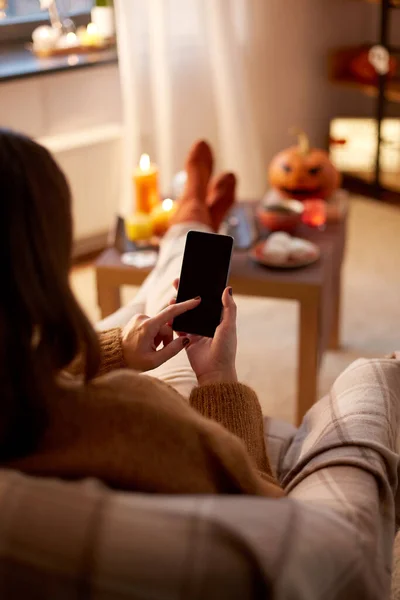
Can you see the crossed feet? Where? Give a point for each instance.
(204, 200)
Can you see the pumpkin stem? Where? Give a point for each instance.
(303, 141)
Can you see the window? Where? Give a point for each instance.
(30, 9)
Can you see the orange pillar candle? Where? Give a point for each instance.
(161, 215)
(145, 180)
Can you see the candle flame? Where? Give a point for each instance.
(144, 162)
(168, 204)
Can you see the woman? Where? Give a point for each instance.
(330, 538)
(133, 432)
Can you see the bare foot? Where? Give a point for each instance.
(192, 204)
(221, 197)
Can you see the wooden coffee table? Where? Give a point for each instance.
(317, 289)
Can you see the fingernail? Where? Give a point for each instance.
(198, 298)
(230, 292)
(186, 342)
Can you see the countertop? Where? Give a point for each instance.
(17, 62)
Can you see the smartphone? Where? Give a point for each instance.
(205, 271)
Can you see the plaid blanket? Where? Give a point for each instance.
(331, 538)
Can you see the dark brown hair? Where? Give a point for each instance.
(42, 327)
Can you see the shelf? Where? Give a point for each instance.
(16, 62)
(339, 73)
(394, 3)
(392, 90)
(351, 67)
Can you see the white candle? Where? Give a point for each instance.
(103, 17)
(44, 38)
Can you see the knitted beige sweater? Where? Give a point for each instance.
(137, 433)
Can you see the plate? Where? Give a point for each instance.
(256, 254)
(141, 259)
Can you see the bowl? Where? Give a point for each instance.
(282, 216)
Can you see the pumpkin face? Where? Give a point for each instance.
(303, 173)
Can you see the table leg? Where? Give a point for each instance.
(108, 296)
(334, 340)
(308, 355)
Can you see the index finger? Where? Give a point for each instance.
(169, 313)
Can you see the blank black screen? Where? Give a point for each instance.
(205, 270)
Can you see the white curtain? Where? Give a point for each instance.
(239, 73)
(186, 69)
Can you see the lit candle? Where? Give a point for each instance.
(44, 39)
(145, 179)
(138, 227)
(69, 40)
(90, 36)
(161, 215)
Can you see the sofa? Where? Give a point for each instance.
(331, 537)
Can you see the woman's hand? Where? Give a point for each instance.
(214, 359)
(143, 335)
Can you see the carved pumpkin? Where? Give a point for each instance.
(302, 172)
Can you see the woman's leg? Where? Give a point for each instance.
(122, 316)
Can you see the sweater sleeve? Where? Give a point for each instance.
(236, 407)
(111, 353)
(112, 356)
(136, 433)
